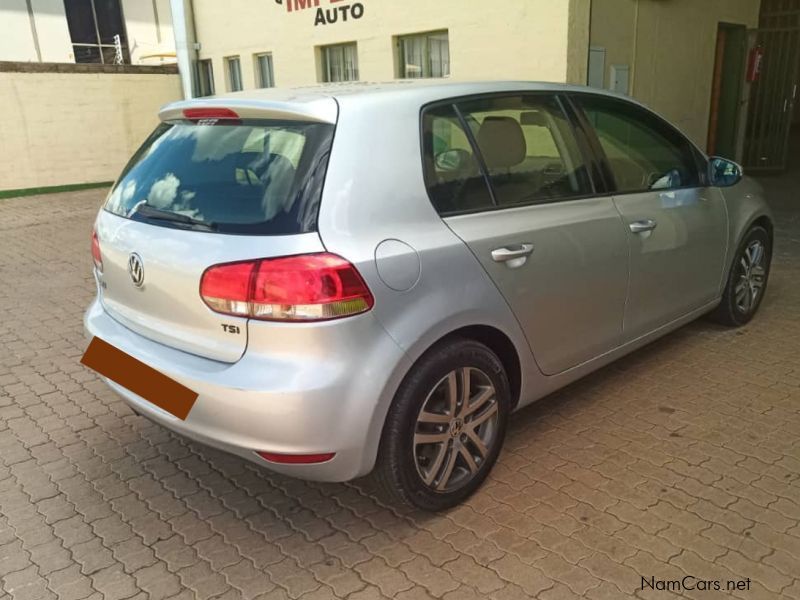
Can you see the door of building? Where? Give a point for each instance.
(729, 72)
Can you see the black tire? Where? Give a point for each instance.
(397, 471)
(729, 312)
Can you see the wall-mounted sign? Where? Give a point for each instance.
(327, 12)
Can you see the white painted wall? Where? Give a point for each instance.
(52, 31)
(65, 128)
(16, 40)
(525, 39)
(149, 28)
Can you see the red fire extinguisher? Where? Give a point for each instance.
(754, 63)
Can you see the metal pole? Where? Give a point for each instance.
(183, 26)
(33, 32)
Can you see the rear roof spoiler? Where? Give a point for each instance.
(318, 110)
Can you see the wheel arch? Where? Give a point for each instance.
(758, 219)
(491, 336)
(499, 343)
(764, 221)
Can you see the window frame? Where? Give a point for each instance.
(100, 45)
(259, 74)
(205, 66)
(699, 157)
(229, 72)
(324, 62)
(599, 186)
(400, 61)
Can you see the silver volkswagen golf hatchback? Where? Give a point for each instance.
(373, 277)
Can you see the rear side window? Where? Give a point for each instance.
(528, 148)
(257, 177)
(524, 145)
(452, 172)
(644, 153)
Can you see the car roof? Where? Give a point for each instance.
(402, 87)
(319, 102)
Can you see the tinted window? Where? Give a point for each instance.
(261, 177)
(452, 174)
(528, 148)
(644, 152)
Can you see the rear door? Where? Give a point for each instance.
(676, 226)
(557, 253)
(198, 194)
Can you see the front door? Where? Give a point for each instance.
(557, 254)
(677, 228)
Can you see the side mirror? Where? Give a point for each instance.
(723, 172)
(452, 160)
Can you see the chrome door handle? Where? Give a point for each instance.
(643, 226)
(511, 253)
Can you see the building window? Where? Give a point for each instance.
(339, 63)
(205, 78)
(265, 76)
(234, 69)
(424, 55)
(97, 31)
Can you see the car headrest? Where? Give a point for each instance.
(502, 142)
(533, 117)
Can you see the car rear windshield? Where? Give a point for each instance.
(245, 177)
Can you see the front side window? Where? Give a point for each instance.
(97, 31)
(234, 68)
(424, 55)
(644, 153)
(257, 177)
(339, 63)
(265, 77)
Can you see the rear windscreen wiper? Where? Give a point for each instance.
(151, 212)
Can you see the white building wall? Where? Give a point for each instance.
(526, 39)
(52, 31)
(147, 34)
(16, 40)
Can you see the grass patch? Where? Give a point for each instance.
(53, 189)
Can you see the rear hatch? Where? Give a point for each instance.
(213, 188)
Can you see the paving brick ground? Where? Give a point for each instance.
(681, 459)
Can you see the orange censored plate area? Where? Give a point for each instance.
(136, 376)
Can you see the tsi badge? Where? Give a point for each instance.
(136, 269)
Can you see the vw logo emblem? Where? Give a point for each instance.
(136, 269)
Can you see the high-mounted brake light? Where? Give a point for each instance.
(197, 114)
(96, 256)
(307, 287)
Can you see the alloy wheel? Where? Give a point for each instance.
(751, 276)
(455, 429)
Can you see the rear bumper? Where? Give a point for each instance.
(313, 388)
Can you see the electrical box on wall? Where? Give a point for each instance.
(620, 77)
(597, 67)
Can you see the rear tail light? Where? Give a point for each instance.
(96, 256)
(309, 287)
